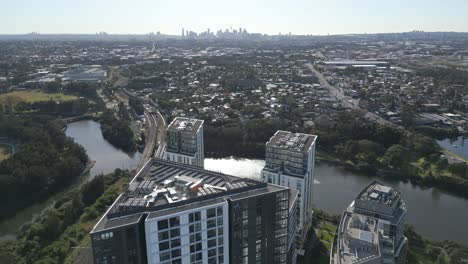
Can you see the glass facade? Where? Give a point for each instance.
(259, 229)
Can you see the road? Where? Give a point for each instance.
(453, 157)
(347, 101)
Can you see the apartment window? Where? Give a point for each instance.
(175, 243)
(196, 257)
(163, 224)
(175, 253)
(195, 237)
(212, 252)
(195, 227)
(174, 221)
(211, 223)
(163, 246)
(105, 236)
(220, 221)
(163, 235)
(245, 233)
(211, 233)
(244, 213)
(212, 243)
(195, 217)
(164, 256)
(195, 247)
(219, 211)
(211, 213)
(175, 232)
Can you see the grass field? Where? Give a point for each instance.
(4, 152)
(33, 96)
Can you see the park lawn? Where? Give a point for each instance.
(4, 152)
(35, 96)
(326, 233)
(432, 170)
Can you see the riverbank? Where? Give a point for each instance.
(428, 177)
(10, 227)
(456, 157)
(103, 158)
(334, 188)
(63, 230)
(421, 250)
(423, 177)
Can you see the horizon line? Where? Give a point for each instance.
(34, 33)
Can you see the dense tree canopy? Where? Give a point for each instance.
(45, 161)
(117, 131)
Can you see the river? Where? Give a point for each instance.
(88, 134)
(434, 213)
(458, 146)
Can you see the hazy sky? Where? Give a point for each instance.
(264, 16)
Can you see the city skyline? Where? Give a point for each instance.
(267, 17)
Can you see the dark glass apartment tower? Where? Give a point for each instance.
(178, 213)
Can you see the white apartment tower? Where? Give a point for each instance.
(290, 162)
(184, 141)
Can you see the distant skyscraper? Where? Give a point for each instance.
(183, 32)
(371, 228)
(184, 141)
(290, 162)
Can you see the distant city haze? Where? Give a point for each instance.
(300, 17)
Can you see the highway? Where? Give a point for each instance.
(347, 101)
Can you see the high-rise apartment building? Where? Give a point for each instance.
(371, 228)
(290, 162)
(184, 141)
(178, 213)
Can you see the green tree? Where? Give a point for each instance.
(51, 224)
(395, 156)
(423, 145)
(460, 169)
(407, 116)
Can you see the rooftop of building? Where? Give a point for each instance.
(379, 193)
(360, 238)
(291, 141)
(185, 125)
(163, 185)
